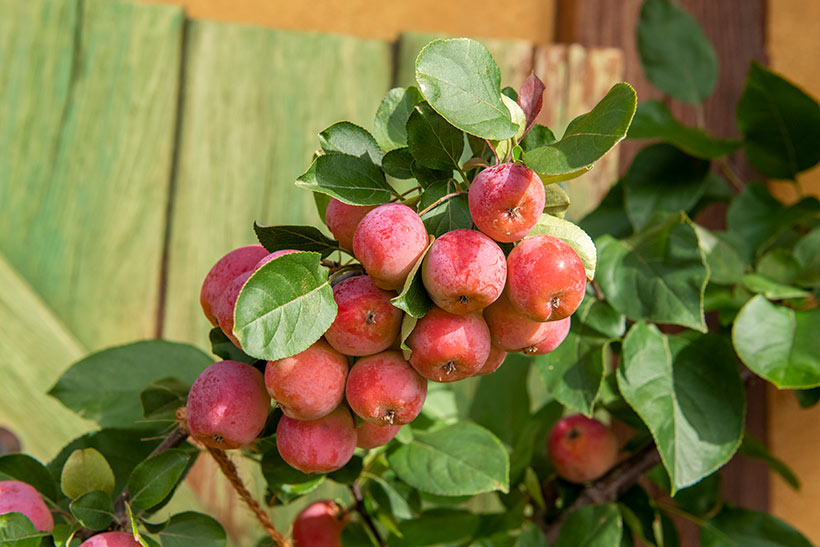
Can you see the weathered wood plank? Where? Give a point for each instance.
(254, 101)
(83, 209)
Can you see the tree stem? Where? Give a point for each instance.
(608, 487)
(359, 507)
(440, 200)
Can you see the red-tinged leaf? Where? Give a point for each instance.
(531, 98)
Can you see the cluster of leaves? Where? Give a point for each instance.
(684, 310)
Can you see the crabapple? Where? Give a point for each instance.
(447, 347)
(370, 435)
(495, 360)
(317, 446)
(19, 497)
(464, 271)
(310, 384)
(558, 331)
(223, 272)
(275, 254)
(319, 524)
(343, 219)
(388, 242)
(546, 279)
(506, 201)
(111, 539)
(510, 330)
(366, 322)
(228, 405)
(384, 389)
(581, 449)
(226, 305)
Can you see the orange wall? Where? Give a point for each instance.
(523, 19)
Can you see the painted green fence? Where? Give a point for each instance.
(137, 147)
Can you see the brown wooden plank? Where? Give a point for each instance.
(736, 28)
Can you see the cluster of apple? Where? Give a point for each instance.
(485, 305)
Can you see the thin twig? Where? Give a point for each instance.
(730, 174)
(493, 149)
(359, 507)
(608, 487)
(440, 200)
(598, 292)
(229, 470)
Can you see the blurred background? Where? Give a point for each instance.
(139, 142)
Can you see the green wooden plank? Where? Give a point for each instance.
(37, 348)
(514, 57)
(88, 158)
(254, 101)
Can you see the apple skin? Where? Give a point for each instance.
(464, 271)
(226, 269)
(225, 305)
(111, 539)
(228, 405)
(581, 449)
(385, 390)
(370, 435)
(317, 446)
(388, 242)
(310, 384)
(493, 362)
(558, 331)
(320, 524)
(342, 220)
(19, 497)
(546, 279)
(511, 331)
(506, 201)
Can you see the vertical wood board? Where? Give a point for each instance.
(85, 189)
(254, 101)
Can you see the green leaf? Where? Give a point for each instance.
(779, 344)
(351, 179)
(460, 459)
(16, 530)
(805, 251)
(432, 141)
(557, 201)
(779, 265)
(726, 266)
(284, 479)
(440, 404)
(24, 468)
(398, 163)
(191, 529)
(662, 178)
(609, 217)
(105, 386)
(461, 81)
(593, 525)
(531, 536)
(284, 307)
(163, 397)
(753, 448)
(298, 238)
(155, 478)
(451, 214)
(736, 527)
(588, 137)
(86, 470)
(386, 494)
(688, 391)
(573, 373)
(351, 139)
(389, 128)
(506, 388)
(658, 275)
(654, 121)
(675, 54)
(758, 284)
(413, 298)
(122, 449)
(758, 218)
(807, 398)
(321, 201)
(571, 234)
(436, 527)
(538, 136)
(94, 510)
(702, 497)
(222, 346)
(780, 124)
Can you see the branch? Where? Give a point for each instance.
(359, 507)
(608, 487)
